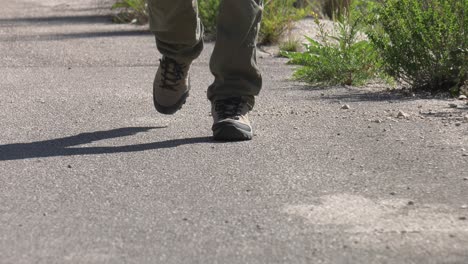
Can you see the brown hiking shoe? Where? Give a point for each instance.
(171, 85)
(230, 118)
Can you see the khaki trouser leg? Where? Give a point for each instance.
(179, 34)
(178, 30)
(233, 62)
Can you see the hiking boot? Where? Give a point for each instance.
(171, 85)
(230, 119)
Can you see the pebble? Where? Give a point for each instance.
(465, 118)
(464, 206)
(402, 114)
(453, 105)
(345, 107)
(462, 218)
(378, 121)
(462, 97)
(410, 203)
(457, 124)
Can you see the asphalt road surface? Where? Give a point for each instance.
(91, 173)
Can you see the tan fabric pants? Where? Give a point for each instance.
(179, 34)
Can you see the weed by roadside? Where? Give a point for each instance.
(290, 45)
(134, 11)
(423, 42)
(278, 17)
(343, 58)
(208, 12)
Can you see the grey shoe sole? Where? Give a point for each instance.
(231, 131)
(169, 110)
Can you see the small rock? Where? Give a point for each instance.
(462, 218)
(465, 206)
(69, 166)
(462, 97)
(465, 118)
(465, 178)
(345, 107)
(402, 114)
(453, 105)
(393, 193)
(378, 121)
(457, 124)
(410, 203)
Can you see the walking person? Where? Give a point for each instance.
(237, 79)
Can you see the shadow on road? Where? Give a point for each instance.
(62, 146)
(56, 20)
(357, 94)
(80, 35)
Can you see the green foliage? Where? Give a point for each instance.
(132, 10)
(291, 45)
(278, 16)
(423, 42)
(335, 8)
(338, 59)
(208, 12)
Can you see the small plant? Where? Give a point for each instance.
(335, 8)
(290, 45)
(278, 16)
(208, 12)
(135, 11)
(337, 59)
(423, 42)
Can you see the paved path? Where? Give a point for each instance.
(90, 173)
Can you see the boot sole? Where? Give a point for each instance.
(169, 110)
(230, 131)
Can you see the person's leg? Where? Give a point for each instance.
(234, 66)
(233, 62)
(179, 38)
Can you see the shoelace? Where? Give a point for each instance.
(229, 108)
(172, 73)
